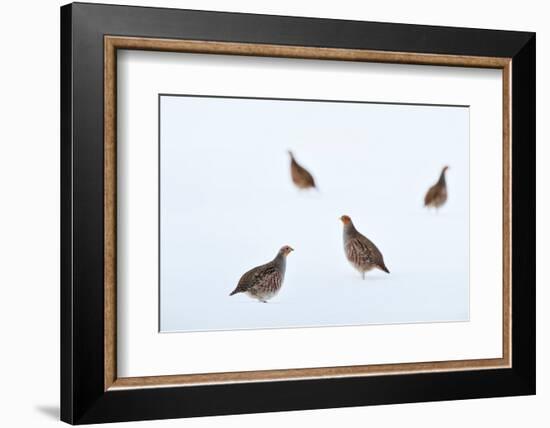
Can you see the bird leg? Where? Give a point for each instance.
(363, 275)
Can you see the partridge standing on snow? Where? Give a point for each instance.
(437, 194)
(264, 282)
(360, 251)
(300, 176)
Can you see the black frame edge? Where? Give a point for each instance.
(524, 214)
(66, 130)
(305, 31)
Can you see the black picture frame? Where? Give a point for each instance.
(83, 398)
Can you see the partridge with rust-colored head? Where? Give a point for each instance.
(437, 194)
(264, 282)
(361, 251)
(300, 176)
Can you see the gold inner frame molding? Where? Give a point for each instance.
(113, 43)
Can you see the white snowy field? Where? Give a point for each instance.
(227, 204)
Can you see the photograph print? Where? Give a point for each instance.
(290, 213)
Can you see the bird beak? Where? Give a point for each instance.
(291, 249)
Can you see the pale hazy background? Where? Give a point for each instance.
(227, 204)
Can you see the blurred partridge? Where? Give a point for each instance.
(300, 176)
(264, 282)
(360, 251)
(437, 194)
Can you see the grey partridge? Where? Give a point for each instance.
(300, 176)
(437, 194)
(264, 282)
(360, 251)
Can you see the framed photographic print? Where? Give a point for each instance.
(266, 213)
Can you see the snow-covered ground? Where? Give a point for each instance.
(227, 205)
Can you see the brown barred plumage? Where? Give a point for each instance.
(360, 251)
(300, 176)
(264, 282)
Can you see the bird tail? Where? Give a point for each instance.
(235, 291)
(384, 268)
